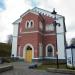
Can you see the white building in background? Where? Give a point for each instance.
(70, 55)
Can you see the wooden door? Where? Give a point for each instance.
(29, 55)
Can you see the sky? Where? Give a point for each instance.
(10, 10)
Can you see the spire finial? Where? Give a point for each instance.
(54, 12)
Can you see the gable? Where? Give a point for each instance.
(29, 16)
(29, 11)
(24, 14)
(25, 24)
(35, 12)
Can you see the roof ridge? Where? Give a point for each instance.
(37, 9)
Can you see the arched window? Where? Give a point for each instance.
(49, 50)
(27, 24)
(31, 23)
(29, 48)
(49, 27)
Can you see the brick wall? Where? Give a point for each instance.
(34, 38)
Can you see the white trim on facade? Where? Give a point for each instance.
(24, 50)
(47, 49)
(38, 32)
(46, 34)
(29, 32)
(50, 57)
(37, 58)
(14, 42)
(60, 39)
(17, 21)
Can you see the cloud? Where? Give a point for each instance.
(71, 27)
(14, 8)
(2, 5)
(34, 3)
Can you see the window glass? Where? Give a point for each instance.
(49, 49)
(49, 27)
(31, 23)
(27, 24)
(29, 48)
(50, 52)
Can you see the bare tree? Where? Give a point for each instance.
(10, 38)
(72, 42)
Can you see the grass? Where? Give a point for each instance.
(44, 67)
(61, 66)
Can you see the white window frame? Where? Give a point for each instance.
(47, 49)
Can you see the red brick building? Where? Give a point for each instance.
(35, 38)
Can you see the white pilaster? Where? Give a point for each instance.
(14, 42)
(61, 39)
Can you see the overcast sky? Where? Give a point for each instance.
(10, 10)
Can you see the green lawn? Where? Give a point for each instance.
(44, 67)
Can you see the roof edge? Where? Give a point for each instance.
(17, 21)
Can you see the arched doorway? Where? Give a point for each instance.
(28, 53)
